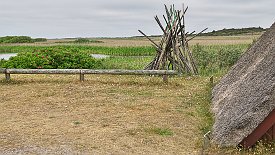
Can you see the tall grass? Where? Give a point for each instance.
(216, 59)
(211, 59)
(115, 51)
(132, 63)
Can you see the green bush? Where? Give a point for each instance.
(16, 39)
(85, 40)
(2, 61)
(20, 39)
(52, 58)
(40, 40)
(82, 40)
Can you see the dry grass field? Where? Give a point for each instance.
(57, 114)
(141, 41)
(203, 40)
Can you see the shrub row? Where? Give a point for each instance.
(20, 39)
(52, 58)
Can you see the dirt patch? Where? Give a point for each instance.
(54, 114)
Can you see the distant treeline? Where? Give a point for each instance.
(20, 39)
(233, 31)
(226, 32)
(82, 41)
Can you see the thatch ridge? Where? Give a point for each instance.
(246, 94)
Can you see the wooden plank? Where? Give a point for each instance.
(43, 71)
(90, 71)
(130, 72)
(82, 72)
(261, 130)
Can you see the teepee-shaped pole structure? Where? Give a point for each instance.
(173, 53)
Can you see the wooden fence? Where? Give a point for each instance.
(82, 72)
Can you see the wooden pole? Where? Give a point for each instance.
(197, 35)
(166, 21)
(82, 72)
(90, 71)
(81, 76)
(173, 48)
(43, 71)
(211, 81)
(165, 78)
(167, 13)
(160, 25)
(7, 75)
(130, 72)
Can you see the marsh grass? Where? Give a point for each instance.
(132, 63)
(114, 51)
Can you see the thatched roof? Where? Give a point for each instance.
(246, 95)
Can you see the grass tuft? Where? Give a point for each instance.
(77, 123)
(159, 131)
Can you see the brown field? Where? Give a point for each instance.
(141, 41)
(57, 114)
(204, 40)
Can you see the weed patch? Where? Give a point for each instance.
(159, 131)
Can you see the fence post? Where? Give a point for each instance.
(211, 81)
(165, 78)
(7, 75)
(81, 76)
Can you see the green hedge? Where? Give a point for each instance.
(52, 58)
(20, 39)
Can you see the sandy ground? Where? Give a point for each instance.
(57, 114)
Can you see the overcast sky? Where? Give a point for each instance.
(118, 18)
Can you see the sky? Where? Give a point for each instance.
(123, 18)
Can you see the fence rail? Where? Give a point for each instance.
(82, 72)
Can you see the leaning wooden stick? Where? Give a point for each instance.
(160, 25)
(197, 34)
(148, 38)
(173, 52)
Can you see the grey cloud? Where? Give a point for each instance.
(93, 18)
(219, 14)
